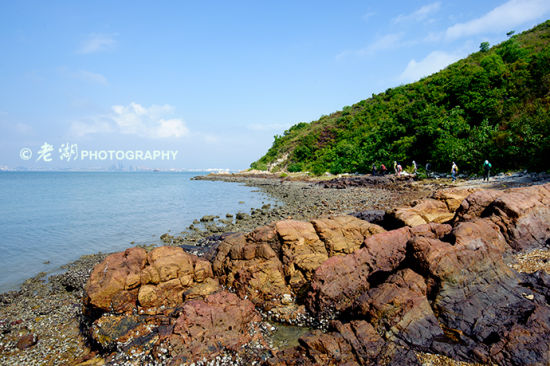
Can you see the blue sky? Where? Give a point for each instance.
(215, 80)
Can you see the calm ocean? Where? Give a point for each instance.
(56, 217)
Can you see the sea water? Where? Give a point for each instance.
(48, 219)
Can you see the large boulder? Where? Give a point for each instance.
(339, 281)
(471, 288)
(114, 283)
(399, 308)
(302, 251)
(200, 330)
(135, 280)
(207, 327)
(439, 208)
(277, 262)
(252, 268)
(522, 214)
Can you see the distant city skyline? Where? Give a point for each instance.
(215, 81)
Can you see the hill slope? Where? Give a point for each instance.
(493, 105)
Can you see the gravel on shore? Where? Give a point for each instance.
(40, 324)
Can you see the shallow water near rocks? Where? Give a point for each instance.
(285, 336)
(52, 218)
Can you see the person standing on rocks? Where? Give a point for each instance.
(487, 170)
(399, 170)
(374, 169)
(414, 167)
(395, 167)
(383, 169)
(454, 171)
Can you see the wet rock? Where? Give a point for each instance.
(207, 218)
(354, 343)
(372, 216)
(242, 216)
(166, 238)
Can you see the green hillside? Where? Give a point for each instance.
(493, 105)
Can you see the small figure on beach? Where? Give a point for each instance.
(399, 170)
(383, 169)
(414, 167)
(487, 170)
(454, 171)
(395, 167)
(428, 166)
(374, 169)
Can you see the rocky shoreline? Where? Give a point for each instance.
(44, 322)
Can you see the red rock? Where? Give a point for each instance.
(341, 279)
(399, 307)
(523, 215)
(206, 327)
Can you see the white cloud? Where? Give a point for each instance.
(418, 15)
(91, 77)
(501, 18)
(134, 119)
(434, 62)
(97, 43)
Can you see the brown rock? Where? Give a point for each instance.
(252, 269)
(26, 341)
(201, 290)
(135, 279)
(302, 251)
(115, 279)
(428, 210)
(453, 197)
(474, 204)
(344, 234)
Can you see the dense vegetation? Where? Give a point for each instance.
(492, 105)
